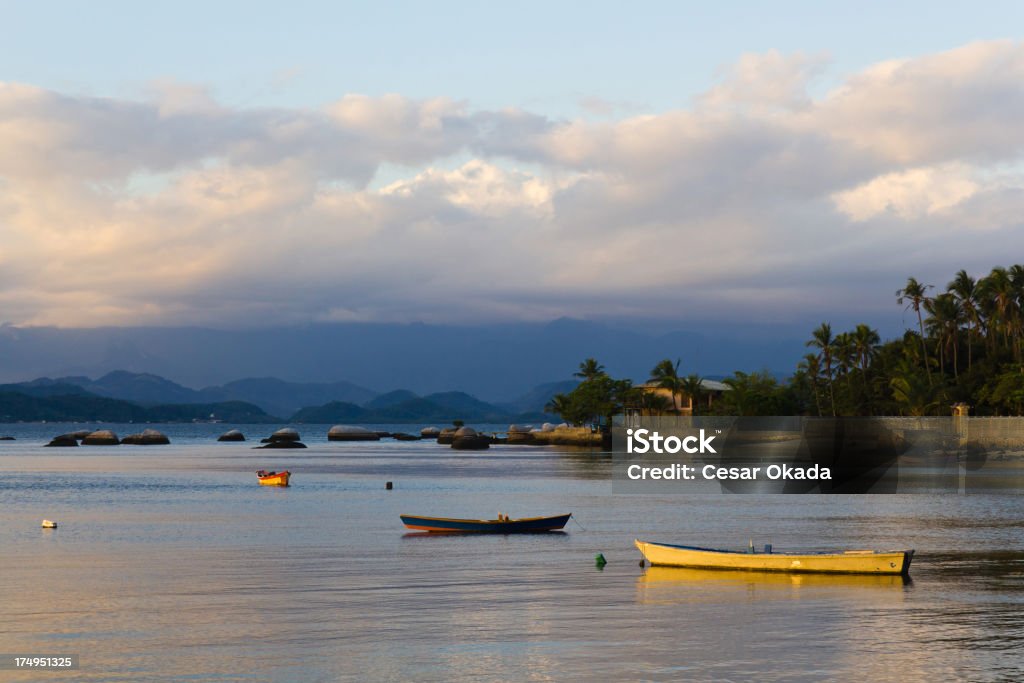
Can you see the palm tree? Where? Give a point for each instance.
(965, 289)
(865, 343)
(998, 289)
(589, 369)
(653, 404)
(810, 365)
(666, 376)
(558, 405)
(845, 356)
(821, 339)
(945, 316)
(915, 293)
(693, 386)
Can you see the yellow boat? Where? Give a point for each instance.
(848, 562)
(273, 478)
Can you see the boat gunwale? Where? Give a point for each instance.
(486, 521)
(816, 553)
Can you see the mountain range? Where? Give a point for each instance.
(496, 362)
(127, 396)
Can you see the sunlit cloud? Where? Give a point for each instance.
(761, 200)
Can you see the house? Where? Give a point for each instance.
(680, 404)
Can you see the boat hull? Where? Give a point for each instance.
(276, 479)
(486, 526)
(850, 562)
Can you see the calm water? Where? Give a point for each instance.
(171, 564)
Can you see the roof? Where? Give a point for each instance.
(708, 384)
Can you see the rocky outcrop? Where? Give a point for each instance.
(351, 433)
(148, 437)
(285, 434)
(6, 438)
(63, 441)
(446, 436)
(467, 439)
(231, 435)
(101, 437)
(430, 432)
(402, 436)
(519, 434)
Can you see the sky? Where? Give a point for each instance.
(247, 164)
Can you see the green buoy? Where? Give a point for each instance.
(600, 561)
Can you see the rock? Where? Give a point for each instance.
(518, 437)
(383, 435)
(446, 436)
(351, 433)
(284, 443)
(148, 437)
(402, 436)
(63, 440)
(101, 437)
(430, 432)
(467, 439)
(285, 434)
(6, 438)
(80, 434)
(231, 435)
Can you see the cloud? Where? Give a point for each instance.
(760, 201)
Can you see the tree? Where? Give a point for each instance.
(666, 376)
(965, 289)
(589, 369)
(811, 367)
(821, 339)
(915, 294)
(693, 386)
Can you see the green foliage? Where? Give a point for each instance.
(594, 400)
(968, 347)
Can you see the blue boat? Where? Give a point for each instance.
(503, 525)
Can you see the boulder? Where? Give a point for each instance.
(231, 435)
(80, 434)
(351, 433)
(520, 437)
(6, 438)
(446, 436)
(148, 437)
(101, 437)
(286, 434)
(402, 436)
(63, 440)
(430, 432)
(467, 439)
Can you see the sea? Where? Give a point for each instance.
(170, 563)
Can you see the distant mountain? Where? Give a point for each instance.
(330, 413)
(272, 395)
(84, 407)
(495, 362)
(284, 398)
(144, 388)
(391, 398)
(534, 400)
(443, 407)
(45, 387)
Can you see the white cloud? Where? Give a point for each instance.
(759, 201)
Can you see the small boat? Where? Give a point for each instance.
(274, 478)
(502, 525)
(846, 562)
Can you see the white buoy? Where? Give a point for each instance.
(47, 524)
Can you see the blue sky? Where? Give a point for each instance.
(248, 163)
(537, 55)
